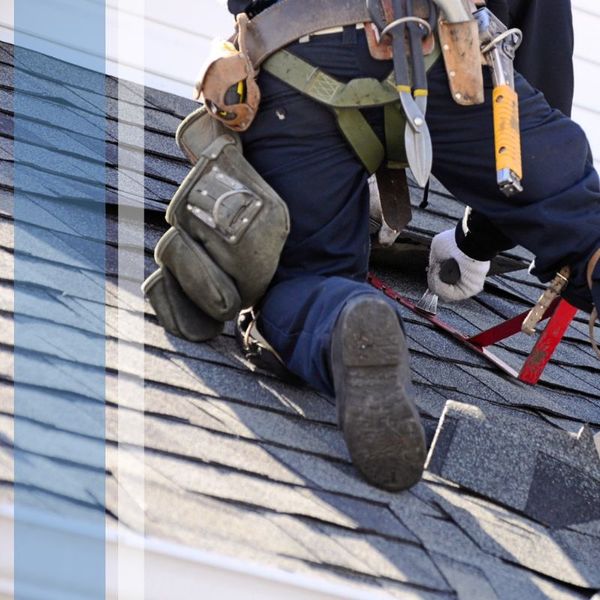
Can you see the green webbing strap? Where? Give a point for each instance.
(395, 124)
(346, 100)
(315, 83)
(361, 137)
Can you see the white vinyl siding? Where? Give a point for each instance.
(176, 37)
(178, 34)
(586, 112)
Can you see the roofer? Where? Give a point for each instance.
(323, 125)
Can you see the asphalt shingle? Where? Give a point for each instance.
(558, 480)
(235, 460)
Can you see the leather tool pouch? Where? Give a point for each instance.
(462, 57)
(241, 223)
(390, 210)
(203, 282)
(176, 312)
(197, 131)
(381, 48)
(228, 231)
(227, 84)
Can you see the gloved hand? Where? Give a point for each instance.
(449, 286)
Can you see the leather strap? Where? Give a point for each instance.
(289, 20)
(592, 266)
(594, 316)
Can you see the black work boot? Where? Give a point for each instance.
(374, 395)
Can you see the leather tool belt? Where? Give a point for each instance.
(227, 83)
(290, 20)
(256, 40)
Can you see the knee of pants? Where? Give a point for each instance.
(298, 317)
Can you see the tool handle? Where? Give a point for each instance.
(416, 51)
(507, 135)
(401, 72)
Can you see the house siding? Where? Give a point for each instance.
(586, 111)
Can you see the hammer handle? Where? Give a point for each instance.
(507, 135)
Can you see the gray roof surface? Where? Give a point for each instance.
(244, 464)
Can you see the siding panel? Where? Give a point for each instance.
(586, 19)
(587, 77)
(586, 27)
(590, 121)
(589, 6)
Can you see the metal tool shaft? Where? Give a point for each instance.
(454, 11)
(499, 46)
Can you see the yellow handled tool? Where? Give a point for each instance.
(498, 46)
(507, 137)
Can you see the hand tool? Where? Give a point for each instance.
(455, 11)
(560, 313)
(449, 274)
(417, 139)
(498, 46)
(417, 32)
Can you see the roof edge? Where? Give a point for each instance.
(166, 569)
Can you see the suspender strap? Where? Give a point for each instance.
(315, 83)
(346, 100)
(361, 137)
(395, 124)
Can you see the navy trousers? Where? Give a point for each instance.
(545, 59)
(296, 146)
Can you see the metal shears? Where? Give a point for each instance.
(417, 139)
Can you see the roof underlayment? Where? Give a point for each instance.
(240, 463)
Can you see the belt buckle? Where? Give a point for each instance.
(328, 31)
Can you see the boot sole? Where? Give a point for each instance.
(379, 419)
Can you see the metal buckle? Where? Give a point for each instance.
(232, 211)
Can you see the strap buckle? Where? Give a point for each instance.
(554, 290)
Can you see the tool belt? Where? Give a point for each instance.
(258, 39)
(260, 42)
(228, 227)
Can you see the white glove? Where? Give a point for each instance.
(472, 272)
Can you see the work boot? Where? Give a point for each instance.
(375, 396)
